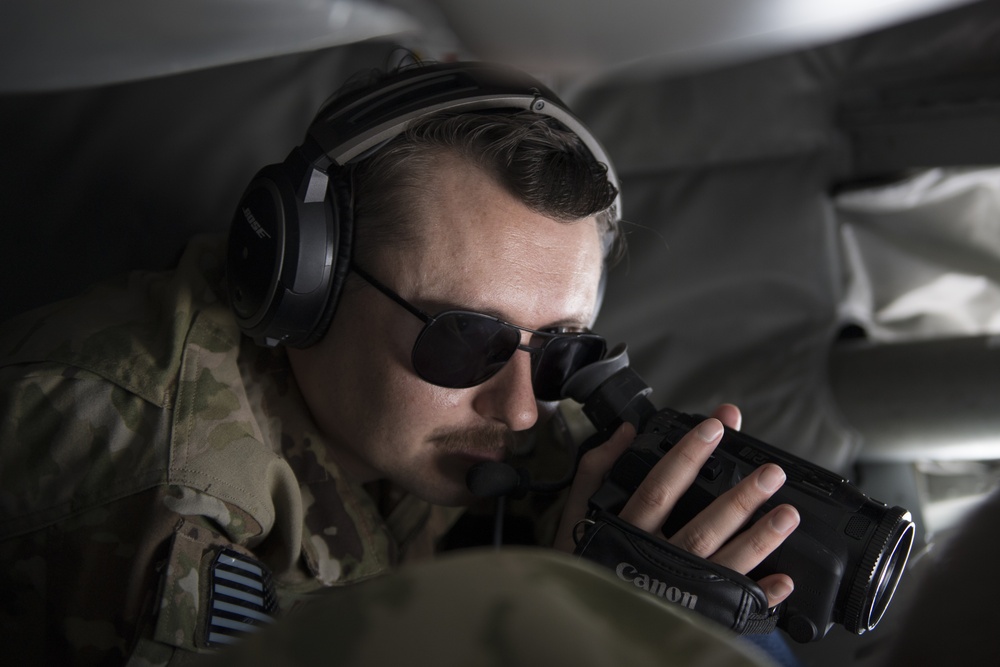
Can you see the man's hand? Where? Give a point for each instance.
(713, 533)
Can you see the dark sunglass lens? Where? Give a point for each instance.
(460, 349)
(560, 358)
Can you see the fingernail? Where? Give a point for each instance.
(771, 478)
(785, 520)
(779, 590)
(709, 430)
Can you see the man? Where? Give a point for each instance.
(168, 483)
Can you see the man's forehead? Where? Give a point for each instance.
(479, 247)
(519, 287)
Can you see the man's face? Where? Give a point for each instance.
(480, 250)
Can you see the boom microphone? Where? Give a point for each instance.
(496, 479)
(492, 479)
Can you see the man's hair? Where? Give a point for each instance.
(534, 157)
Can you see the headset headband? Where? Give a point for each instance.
(357, 126)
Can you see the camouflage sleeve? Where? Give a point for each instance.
(476, 608)
(99, 558)
(130, 579)
(83, 590)
(109, 529)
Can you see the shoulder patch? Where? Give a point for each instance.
(241, 598)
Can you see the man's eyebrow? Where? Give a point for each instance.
(571, 324)
(434, 307)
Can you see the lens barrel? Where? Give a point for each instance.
(879, 570)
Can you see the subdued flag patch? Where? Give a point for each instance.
(241, 598)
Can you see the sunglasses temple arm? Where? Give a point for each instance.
(364, 275)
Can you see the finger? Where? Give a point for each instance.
(594, 465)
(777, 587)
(730, 415)
(726, 515)
(667, 481)
(745, 551)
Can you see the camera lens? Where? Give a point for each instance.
(889, 573)
(880, 568)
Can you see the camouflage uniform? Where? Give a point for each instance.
(143, 440)
(140, 433)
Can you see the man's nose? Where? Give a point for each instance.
(509, 396)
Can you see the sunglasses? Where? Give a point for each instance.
(459, 349)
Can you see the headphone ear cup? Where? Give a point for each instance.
(340, 200)
(280, 257)
(256, 247)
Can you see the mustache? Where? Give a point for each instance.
(487, 438)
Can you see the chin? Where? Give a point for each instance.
(447, 493)
(439, 480)
(443, 485)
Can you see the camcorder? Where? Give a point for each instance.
(846, 556)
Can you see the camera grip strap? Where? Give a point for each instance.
(674, 575)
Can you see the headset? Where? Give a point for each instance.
(290, 238)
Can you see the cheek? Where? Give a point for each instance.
(346, 375)
(389, 400)
(364, 386)
(366, 345)
(422, 406)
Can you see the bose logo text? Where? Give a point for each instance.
(254, 224)
(629, 573)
